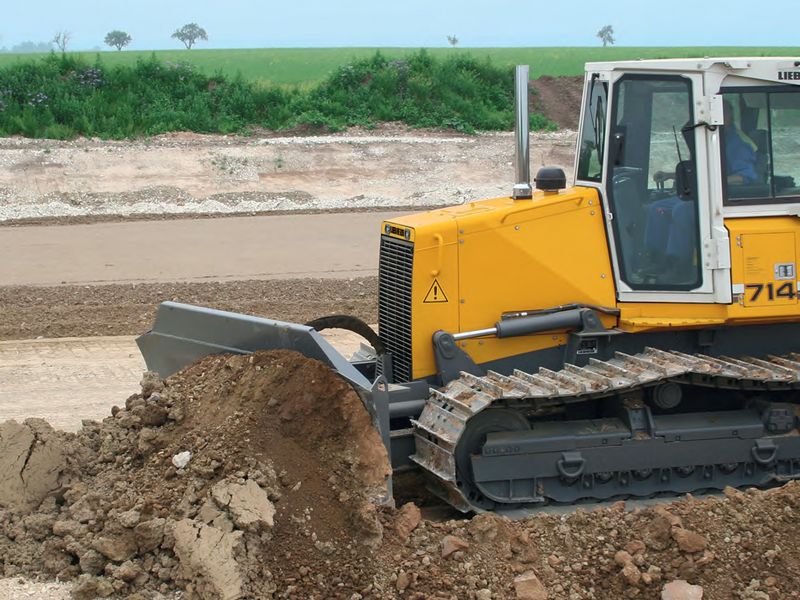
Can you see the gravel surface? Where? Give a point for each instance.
(202, 174)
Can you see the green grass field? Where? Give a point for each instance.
(306, 67)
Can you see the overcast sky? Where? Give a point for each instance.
(412, 23)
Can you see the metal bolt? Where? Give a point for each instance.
(602, 275)
(516, 227)
(592, 213)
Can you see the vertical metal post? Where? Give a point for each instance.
(522, 182)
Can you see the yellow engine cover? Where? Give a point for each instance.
(474, 262)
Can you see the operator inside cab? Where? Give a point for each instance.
(671, 224)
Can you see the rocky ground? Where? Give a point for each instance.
(228, 481)
(266, 487)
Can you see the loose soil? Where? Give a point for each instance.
(281, 498)
(78, 311)
(269, 487)
(559, 98)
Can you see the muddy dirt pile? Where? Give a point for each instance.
(235, 478)
(261, 477)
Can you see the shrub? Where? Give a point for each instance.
(62, 96)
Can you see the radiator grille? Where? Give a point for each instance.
(394, 303)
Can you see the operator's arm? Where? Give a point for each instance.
(740, 160)
(737, 179)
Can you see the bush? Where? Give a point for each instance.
(61, 97)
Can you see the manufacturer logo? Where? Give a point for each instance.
(396, 231)
(789, 75)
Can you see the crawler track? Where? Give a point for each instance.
(536, 456)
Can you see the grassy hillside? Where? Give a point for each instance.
(64, 96)
(307, 67)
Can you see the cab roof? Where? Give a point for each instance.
(778, 69)
(698, 64)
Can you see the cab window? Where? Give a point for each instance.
(760, 145)
(590, 159)
(652, 184)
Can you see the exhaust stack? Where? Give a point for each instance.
(522, 183)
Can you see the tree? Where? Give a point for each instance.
(606, 35)
(118, 39)
(452, 40)
(189, 34)
(61, 39)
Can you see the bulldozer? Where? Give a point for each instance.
(631, 336)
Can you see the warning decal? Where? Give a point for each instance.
(435, 294)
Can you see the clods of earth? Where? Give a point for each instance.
(262, 476)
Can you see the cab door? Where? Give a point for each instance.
(665, 244)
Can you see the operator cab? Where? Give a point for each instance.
(675, 147)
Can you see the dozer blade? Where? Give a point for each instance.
(183, 333)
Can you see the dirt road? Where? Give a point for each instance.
(338, 245)
(66, 380)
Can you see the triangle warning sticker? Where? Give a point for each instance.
(435, 294)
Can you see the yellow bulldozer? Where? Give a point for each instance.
(630, 336)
